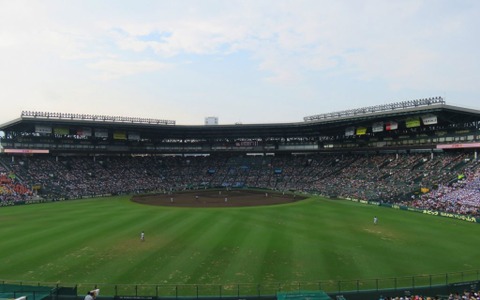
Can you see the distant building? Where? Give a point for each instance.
(211, 121)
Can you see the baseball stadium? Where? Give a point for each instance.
(376, 202)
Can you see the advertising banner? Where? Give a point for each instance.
(27, 151)
(101, 133)
(61, 130)
(43, 129)
(361, 130)
(412, 122)
(377, 127)
(119, 135)
(419, 210)
(458, 146)
(392, 125)
(84, 132)
(429, 120)
(133, 136)
(350, 131)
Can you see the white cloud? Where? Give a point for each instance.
(394, 46)
(113, 69)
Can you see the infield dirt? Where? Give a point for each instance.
(217, 198)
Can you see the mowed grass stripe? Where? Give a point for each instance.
(307, 243)
(248, 244)
(255, 243)
(220, 245)
(159, 258)
(42, 240)
(61, 248)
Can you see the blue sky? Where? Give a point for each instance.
(241, 61)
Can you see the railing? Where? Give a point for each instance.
(377, 108)
(266, 289)
(96, 118)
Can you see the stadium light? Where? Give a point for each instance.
(95, 118)
(377, 108)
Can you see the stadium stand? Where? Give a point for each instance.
(410, 153)
(380, 177)
(12, 191)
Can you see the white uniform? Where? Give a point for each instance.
(88, 297)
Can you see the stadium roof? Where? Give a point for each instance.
(319, 125)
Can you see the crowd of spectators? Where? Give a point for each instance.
(461, 196)
(11, 190)
(394, 178)
(465, 295)
(453, 296)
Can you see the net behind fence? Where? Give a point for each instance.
(303, 295)
(13, 291)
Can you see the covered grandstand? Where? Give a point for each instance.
(417, 124)
(410, 153)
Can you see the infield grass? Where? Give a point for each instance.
(98, 241)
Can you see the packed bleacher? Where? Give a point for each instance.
(461, 196)
(446, 181)
(12, 191)
(466, 295)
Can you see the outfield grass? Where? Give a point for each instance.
(98, 241)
